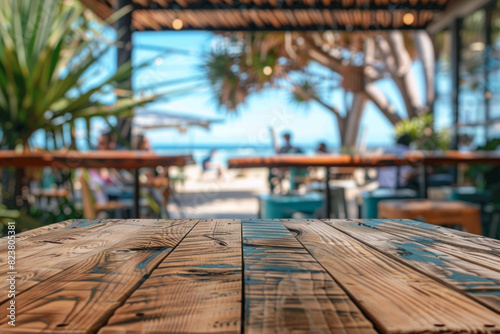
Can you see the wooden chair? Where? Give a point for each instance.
(444, 213)
(90, 208)
(49, 197)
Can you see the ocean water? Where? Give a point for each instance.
(225, 152)
(222, 153)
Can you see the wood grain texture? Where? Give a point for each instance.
(196, 289)
(345, 160)
(33, 240)
(287, 291)
(396, 297)
(43, 256)
(52, 228)
(478, 282)
(81, 298)
(91, 159)
(468, 247)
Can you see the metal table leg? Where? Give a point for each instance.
(423, 181)
(328, 195)
(136, 194)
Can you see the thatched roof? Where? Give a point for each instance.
(246, 15)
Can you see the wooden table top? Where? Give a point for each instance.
(252, 276)
(91, 159)
(379, 160)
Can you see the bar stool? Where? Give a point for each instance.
(372, 198)
(285, 206)
(444, 213)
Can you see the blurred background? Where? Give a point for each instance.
(209, 81)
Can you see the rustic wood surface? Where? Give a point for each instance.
(252, 276)
(91, 159)
(413, 158)
(272, 15)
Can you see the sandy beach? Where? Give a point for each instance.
(204, 195)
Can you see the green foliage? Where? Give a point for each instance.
(420, 130)
(238, 67)
(35, 217)
(487, 176)
(46, 50)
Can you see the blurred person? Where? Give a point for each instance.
(399, 176)
(106, 182)
(288, 148)
(321, 149)
(209, 165)
(143, 143)
(106, 141)
(296, 175)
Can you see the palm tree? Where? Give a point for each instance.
(243, 64)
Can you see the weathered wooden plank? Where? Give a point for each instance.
(287, 291)
(31, 243)
(62, 249)
(469, 247)
(478, 282)
(396, 297)
(196, 289)
(81, 298)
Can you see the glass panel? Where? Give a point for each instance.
(493, 89)
(471, 102)
(443, 112)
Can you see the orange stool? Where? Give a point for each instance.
(443, 213)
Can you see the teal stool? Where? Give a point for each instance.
(471, 194)
(371, 198)
(284, 206)
(297, 175)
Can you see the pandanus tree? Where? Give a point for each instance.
(242, 64)
(48, 50)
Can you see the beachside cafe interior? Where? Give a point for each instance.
(105, 231)
(424, 185)
(298, 186)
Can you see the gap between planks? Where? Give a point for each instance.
(81, 298)
(287, 290)
(477, 282)
(377, 284)
(202, 281)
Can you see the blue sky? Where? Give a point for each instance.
(249, 126)
(271, 107)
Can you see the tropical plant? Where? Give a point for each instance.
(422, 133)
(47, 51)
(49, 54)
(353, 62)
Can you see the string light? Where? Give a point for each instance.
(408, 19)
(267, 70)
(177, 24)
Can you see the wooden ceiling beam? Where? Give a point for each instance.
(333, 5)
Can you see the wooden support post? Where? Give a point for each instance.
(124, 54)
